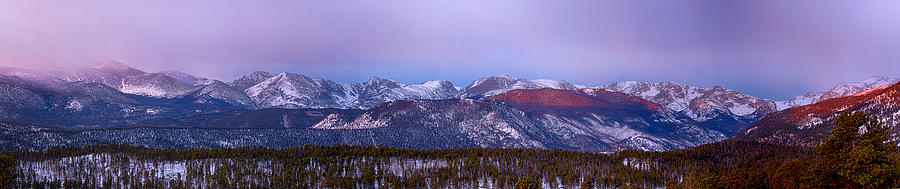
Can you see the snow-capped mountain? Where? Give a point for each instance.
(288, 90)
(49, 98)
(132, 81)
(809, 125)
(17, 95)
(469, 121)
(841, 90)
(379, 90)
(498, 84)
(500, 111)
(20, 72)
(186, 78)
(847, 89)
(587, 119)
(697, 102)
(807, 98)
(250, 80)
(219, 92)
(265, 90)
(50, 101)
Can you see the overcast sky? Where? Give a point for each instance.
(771, 49)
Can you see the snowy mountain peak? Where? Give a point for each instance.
(115, 66)
(503, 79)
(438, 84)
(878, 79)
(377, 78)
(249, 80)
(261, 73)
(289, 90)
(841, 90)
(382, 82)
(807, 98)
(282, 74)
(185, 77)
(298, 77)
(846, 89)
(217, 91)
(283, 90)
(498, 84)
(697, 102)
(808, 125)
(129, 80)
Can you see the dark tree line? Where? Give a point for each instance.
(858, 154)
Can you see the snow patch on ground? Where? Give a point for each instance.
(145, 90)
(74, 105)
(742, 109)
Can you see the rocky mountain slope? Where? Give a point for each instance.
(841, 90)
(132, 81)
(716, 106)
(287, 90)
(499, 84)
(587, 119)
(810, 124)
(44, 99)
(499, 111)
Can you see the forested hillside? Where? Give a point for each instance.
(342, 166)
(848, 158)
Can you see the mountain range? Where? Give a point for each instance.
(498, 111)
(809, 125)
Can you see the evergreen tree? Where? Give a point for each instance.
(867, 161)
(858, 154)
(588, 183)
(527, 183)
(7, 169)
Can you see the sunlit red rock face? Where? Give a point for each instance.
(810, 124)
(553, 100)
(883, 94)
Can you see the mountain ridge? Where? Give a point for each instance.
(496, 111)
(809, 125)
